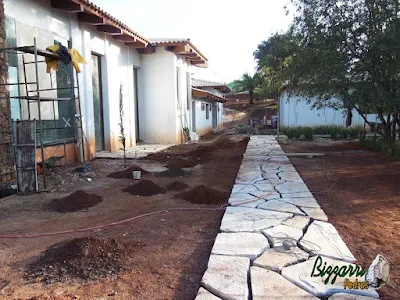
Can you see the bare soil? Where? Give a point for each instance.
(177, 186)
(80, 258)
(359, 190)
(78, 200)
(167, 253)
(204, 195)
(145, 188)
(127, 173)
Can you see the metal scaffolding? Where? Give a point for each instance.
(35, 95)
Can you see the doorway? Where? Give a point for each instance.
(214, 116)
(194, 116)
(136, 100)
(97, 103)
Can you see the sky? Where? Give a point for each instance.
(226, 32)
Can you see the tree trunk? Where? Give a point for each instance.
(251, 95)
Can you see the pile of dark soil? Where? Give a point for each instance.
(201, 194)
(127, 173)
(145, 188)
(176, 186)
(173, 173)
(181, 163)
(80, 258)
(76, 201)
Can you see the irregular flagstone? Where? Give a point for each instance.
(322, 238)
(300, 274)
(267, 284)
(269, 175)
(345, 296)
(243, 219)
(246, 244)
(304, 202)
(280, 206)
(291, 187)
(290, 176)
(315, 213)
(266, 195)
(243, 188)
(252, 204)
(226, 277)
(276, 258)
(248, 180)
(277, 234)
(297, 195)
(297, 222)
(203, 294)
(240, 198)
(265, 186)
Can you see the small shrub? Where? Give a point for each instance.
(308, 133)
(344, 133)
(334, 132)
(296, 132)
(290, 133)
(354, 132)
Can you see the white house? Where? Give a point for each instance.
(207, 105)
(154, 73)
(296, 111)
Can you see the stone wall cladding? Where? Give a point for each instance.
(6, 161)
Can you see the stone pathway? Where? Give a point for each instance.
(271, 236)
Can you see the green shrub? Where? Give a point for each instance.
(354, 132)
(290, 133)
(308, 133)
(334, 132)
(344, 133)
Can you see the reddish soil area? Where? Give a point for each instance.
(167, 253)
(359, 190)
(176, 186)
(204, 195)
(82, 258)
(78, 200)
(127, 173)
(173, 173)
(145, 188)
(180, 163)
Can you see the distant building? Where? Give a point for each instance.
(207, 105)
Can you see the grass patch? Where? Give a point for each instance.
(378, 144)
(335, 132)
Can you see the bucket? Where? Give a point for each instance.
(137, 175)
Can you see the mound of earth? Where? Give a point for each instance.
(202, 194)
(176, 186)
(80, 258)
(181, 163)
(173, 173)
(76, 201)
(127, 173)
(145, 188)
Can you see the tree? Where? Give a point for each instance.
(274, 59)
(248, 83)
(352, 50)
(122, 136)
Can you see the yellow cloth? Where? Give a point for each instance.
(76, 58)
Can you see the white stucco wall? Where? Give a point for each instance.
(38, 19)
(161, 116)
(204, 125)
(295, 111)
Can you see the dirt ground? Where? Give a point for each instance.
(359, 190)
(168, 252)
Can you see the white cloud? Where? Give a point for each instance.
(227, 32)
